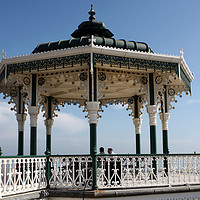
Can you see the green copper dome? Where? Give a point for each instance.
(102, 36)
(92, 27)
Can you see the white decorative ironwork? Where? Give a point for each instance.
(33, 111)
(143, 171)
(174, 91)
(164, 117)
(21, 118)
(24, 174)
(73, 172)
(138, 123)
(92, 109)
(48, 123)
(152, 111)
(19, 175)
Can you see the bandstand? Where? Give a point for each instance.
(94, 70)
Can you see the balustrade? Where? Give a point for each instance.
(23, 174)
(71, 172)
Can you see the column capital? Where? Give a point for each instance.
(92, 108)
(21, 118)
(33, 111)
(152, 110)
(137, 122)
(48, 123)
(164, 117)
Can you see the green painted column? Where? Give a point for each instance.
(152, 110)
(164, 117)
(165, 142)
(138, 144)
(137, 122)
(49, 123)
(21, 117)
(153, 146)
(92, 107)
(33, 144)
(20, 143)
(93, 152)
(33, 111)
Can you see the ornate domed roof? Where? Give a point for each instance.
(92, 27)
(102, 36)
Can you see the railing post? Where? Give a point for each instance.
(48, 168)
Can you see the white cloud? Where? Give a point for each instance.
(65, 125)
(70, 124)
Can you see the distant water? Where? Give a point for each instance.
(173, 196)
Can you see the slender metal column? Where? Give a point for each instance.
(164, 117)
(152, 110)
(33, 112)
(21, 117)
(21, 120)
(92, 107)
(137, 122)
(49, 123)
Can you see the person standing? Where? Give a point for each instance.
(101, 150)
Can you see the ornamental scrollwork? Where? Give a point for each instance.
(11, 90)
(49, 64)
(135, 63)
(174, 91)
(57, 103)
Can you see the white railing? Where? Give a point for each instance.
(24, 174)
(21, 174)
(125, 171)
(131, 171)
(143, 171)
(73, 172)
(184, 169)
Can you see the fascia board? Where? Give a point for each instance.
(101, 50)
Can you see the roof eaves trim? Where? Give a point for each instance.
(101, 50)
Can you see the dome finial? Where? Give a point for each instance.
(92, 13)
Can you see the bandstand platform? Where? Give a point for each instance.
(93, 70)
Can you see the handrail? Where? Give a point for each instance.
(84, 155)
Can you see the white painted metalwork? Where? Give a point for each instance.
(131, 171)
(125, 171)
(22, 175)
(184, 169)
(144, 171)
(71, 172)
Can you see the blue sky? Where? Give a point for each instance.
(166, 26)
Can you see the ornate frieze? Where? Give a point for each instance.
(49, 64)
(135, 63)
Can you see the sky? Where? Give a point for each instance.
(166, 26)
